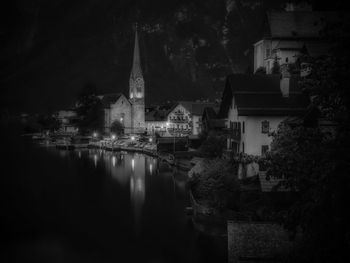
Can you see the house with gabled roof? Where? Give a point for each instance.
(185, 117)
(289, 33)
(253, 106)
(117, 108)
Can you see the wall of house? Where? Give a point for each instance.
(253, 138)
(159, 127)
(196, 124)
(258, 55)
(180, 121)
(266, 50)
(121, 111)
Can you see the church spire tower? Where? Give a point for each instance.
(136, 81)
(137, 91)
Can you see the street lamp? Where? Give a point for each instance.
(94, 134)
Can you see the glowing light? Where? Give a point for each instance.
(121, 119)
(113, 137)
(132, 138)
(79, 154)
(167, 123)
(94, 134)
(150, 168)
(133, 164)
(113, 161)
(150, 140)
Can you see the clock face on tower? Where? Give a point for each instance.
(139, 87)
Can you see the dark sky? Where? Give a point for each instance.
(51, 49)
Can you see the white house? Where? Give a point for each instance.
(183, 118)
(254, 106)
(287, 34)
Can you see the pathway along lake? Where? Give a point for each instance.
(96, 206)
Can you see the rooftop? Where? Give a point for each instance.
(260, 95)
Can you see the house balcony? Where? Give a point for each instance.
(184, 121)
(233, 134)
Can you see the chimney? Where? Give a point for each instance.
(285, 80)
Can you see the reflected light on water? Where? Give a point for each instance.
(138, 187)
(150, 168)
(95, 160)
(113, 160)
(79, 154)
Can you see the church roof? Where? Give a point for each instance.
(108, 99)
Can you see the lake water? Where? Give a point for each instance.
(96, 206)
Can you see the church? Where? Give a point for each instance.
(129, 112)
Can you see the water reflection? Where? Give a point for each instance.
(137, 186)
(95, 160)
(130, 171)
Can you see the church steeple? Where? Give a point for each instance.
(136, 81)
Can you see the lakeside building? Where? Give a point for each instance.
(183, 118)
(290, 33)
(254, 106)
(130, 112)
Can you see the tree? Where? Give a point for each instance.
(276, 66)
(90, 110)
(213, 145)
(117, 127)
(214, 183)
(316, 165)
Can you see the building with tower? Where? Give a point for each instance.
(129, 112)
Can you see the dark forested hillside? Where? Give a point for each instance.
(51, 49)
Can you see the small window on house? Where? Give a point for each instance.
(265, 127)
(264, 149)
(287, 59)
